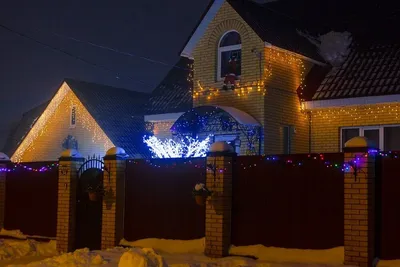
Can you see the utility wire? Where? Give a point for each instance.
(113, 50)
(72, 55)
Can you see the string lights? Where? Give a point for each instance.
(274, 59)
(184, 148)
(375, 113)
(19, 166)
(66, 99)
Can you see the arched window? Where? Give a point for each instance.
(229, 55)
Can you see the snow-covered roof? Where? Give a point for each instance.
(240, 116)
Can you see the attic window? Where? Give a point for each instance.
(72, 121)
(229, 55)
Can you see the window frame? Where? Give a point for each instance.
(361, 129)
(70, 116)
(225, 49)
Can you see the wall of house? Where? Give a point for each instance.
(284, 73)
(326, 123)
(267, 91)
(248, 97)
(48, 143)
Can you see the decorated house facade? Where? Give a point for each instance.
(264, 86)
(88, 117)
(359, 97)
(245, 81)
(246, 76)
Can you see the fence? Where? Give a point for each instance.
(389, 207)
(159, 202)
(290, 201)
(31, 199)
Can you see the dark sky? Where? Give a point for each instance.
(31, 73)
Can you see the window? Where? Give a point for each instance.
(72, 122)
(384, 137)
(229, 55)
(391, 139)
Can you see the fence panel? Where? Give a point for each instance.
(31, 199)
(159, 202)
(390, 208)
(290, 201)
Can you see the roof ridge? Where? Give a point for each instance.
(67, 80)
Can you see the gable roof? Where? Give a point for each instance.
(270, 26)
(18, 133)
(369, 70)
(119, 113)
(174, 93)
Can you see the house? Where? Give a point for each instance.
(357, 98)
(261, 85)
(246, 76)
(85, 116)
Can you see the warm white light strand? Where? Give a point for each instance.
(40, 123)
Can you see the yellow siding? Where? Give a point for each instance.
(326, 123)
(279, 77)
(284, 74)
(48, 144)
(205, 65)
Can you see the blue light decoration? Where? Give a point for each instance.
(186, 147)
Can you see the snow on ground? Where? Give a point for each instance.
(169, 253)
(19, 235)
(333, 256)
(13, 248)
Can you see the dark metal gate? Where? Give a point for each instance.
(89, 212)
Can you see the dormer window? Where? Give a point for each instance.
(229, 55)
(72, 121)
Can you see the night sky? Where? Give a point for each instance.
(31, 73)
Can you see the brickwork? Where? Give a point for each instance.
(66, 211)
(114, 203)
(219, 207)
(326, 122)
(48, 144)
(3, 176)
(359, 216)
(279, 73)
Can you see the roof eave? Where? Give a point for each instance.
(354, 101)
(269, 45)
(201, 27)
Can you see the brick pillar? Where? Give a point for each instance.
(359, 203)
(114, 201)
(218, 207)
(69, 164)
(3, 174)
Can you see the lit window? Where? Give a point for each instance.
(72, 122)
(229, 55)
(384, 137)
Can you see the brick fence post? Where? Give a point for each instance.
(69, 163)
(4, 162)
(359, 203)
(219, 206)
(112, 230)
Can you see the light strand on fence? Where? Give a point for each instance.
(20, 166)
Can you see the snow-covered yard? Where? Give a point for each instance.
(162, 253)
